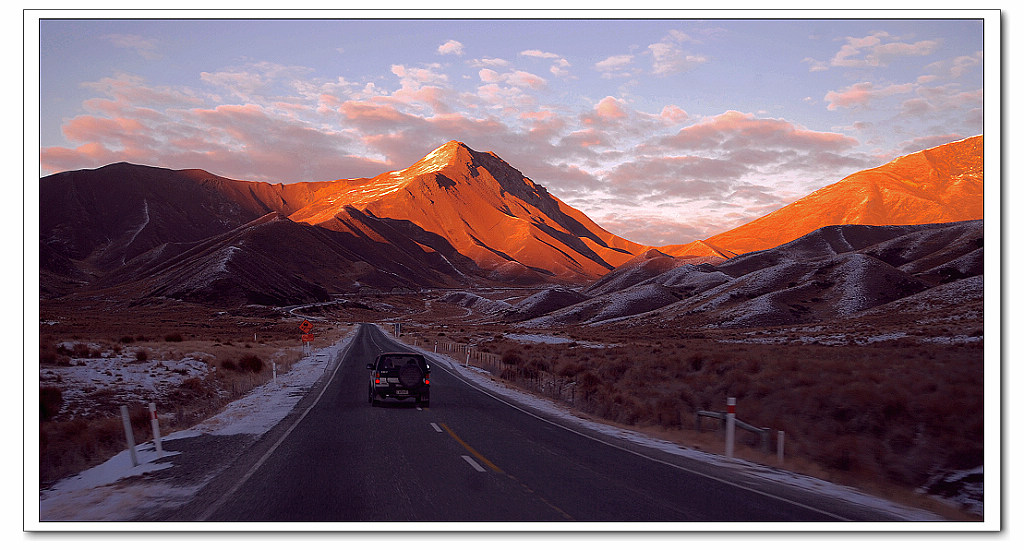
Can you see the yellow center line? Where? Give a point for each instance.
(492, 466)
(473, 451)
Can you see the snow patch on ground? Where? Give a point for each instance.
(550, 339)
(148, 380)
(475, 302)
(97, 495)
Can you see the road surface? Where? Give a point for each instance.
(474, 457)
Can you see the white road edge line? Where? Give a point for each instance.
(229, 493)
(436, 427)
(465, 381)
(473, 463)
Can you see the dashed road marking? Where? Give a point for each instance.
(473, 463)
(472, 451)
(436, 427)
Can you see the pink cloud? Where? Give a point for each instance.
(489, 75)
(560, 68)
(132, 90)
(92, 155)
(587, 138)
(365, 111)
(526, 80)
(451, 47)
(90, 128)
(415, 77)
(673, 114)
(610, 108)
(540, 54)
(733, 129)
(516, 79)
(864, 93)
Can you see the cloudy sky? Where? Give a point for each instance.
(661, 130)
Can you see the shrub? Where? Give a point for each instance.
(511, 357)
(50, 401)
(174, 337)
(539, 363)
(250, 363)
(47, 356)
(190, 389)
(141, 355)
(247, 363)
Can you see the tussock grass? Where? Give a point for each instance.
(71, 445)
(889, 412)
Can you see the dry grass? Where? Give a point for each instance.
(249, 340)
(884, 415)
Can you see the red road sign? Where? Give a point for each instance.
(307, 337)
(306, 326)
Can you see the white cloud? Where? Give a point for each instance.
(488, 62)
(538, 53)
(560, 68)
(451, 47)
(878, 49)
(146, 47)
(670, 59)
(615, 66)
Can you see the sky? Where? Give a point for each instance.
(663, 130)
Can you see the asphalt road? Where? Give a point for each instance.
(472, 457)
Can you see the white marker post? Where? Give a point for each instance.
(782, 445)
(129, 435)
(273, 366)
(156, 429)
(730, 426)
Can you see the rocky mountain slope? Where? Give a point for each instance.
(488, 211)
(832, 273)
(456, 218)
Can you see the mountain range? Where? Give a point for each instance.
(837, 272)
(457, 218)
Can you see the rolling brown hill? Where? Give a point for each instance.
(276, 261)
(826, 276)
(937, 185)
